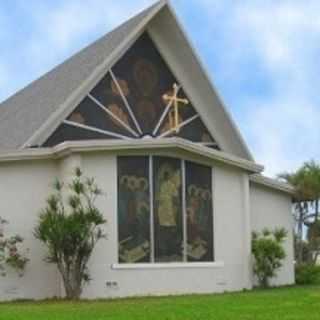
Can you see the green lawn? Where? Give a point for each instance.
(273, 304)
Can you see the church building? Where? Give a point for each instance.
(182, 193)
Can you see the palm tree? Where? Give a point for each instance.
(306, 181)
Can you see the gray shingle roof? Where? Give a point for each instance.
(23, 113)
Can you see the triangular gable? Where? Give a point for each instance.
(138, 98)
(165, 31)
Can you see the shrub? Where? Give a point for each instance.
(10, 253)
(71, 230)
(268, 252)
(307, 274)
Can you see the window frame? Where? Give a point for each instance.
(175, 264)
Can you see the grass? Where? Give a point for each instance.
(285, 303)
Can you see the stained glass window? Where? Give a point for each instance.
(67, 132)
(182, 226)
(133, 210)
(199, 213)
(139, 96)
(168, 229)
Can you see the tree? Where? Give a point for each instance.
(71, 230)
(306, 181)
(268, 252)
(10, 253)
(313, 236)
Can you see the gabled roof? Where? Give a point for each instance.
(25, 112)
(31, 115)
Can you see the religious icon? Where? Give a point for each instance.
(77, 117)
(146, 76)
(146, 110)
(175, 103)
(168, 215)
(168, 191)
(197, 245)
(117, 111)
(133, 213)
(123, 87)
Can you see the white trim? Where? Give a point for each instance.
(111, 114)
(115, 80)
(116, 218)
(247, 265)
(151, 199)
(208, 144)
(165, 112)
(93, 129)
(213, 201)
(272, 183)
(181, 125)
(173, 265)
(130, 145)
(184, 210)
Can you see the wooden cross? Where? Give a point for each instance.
(174, 101)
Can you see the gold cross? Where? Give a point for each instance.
(174, 101)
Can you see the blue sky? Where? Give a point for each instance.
(263, 57)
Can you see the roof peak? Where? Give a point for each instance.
(32, 114)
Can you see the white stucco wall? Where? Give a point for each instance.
(229, 243)
(271, 209)
(238, 208)
(24, 187)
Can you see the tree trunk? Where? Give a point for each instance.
(71, 281)
(300, 234)
(73, 288)
(264, 282)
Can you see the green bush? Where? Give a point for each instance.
(268, 253)
(307, 274)
(70, 226)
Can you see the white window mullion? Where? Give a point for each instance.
(184, 210)
(213, 189)
(165, 112)
(94, 129)
(105, 109)
(152, 256)
(181, 125)
(114, 79)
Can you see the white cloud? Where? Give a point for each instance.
(56, 30)
(62, 29)
(282, 132)
(281, 32)
(70, 20)
(285, 126)
(281, 40)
